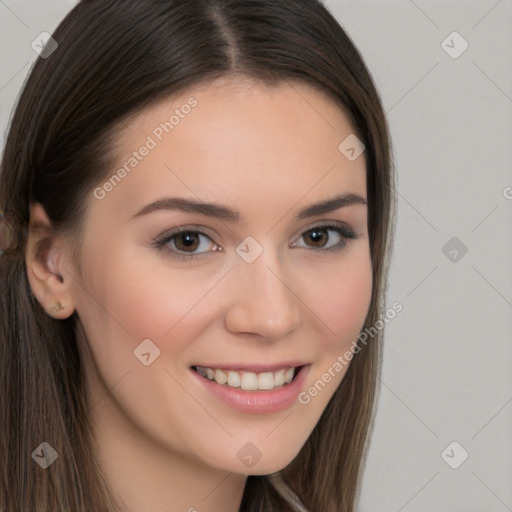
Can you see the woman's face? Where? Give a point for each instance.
(256, 283)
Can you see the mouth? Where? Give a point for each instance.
(248, 380)
(254, 389)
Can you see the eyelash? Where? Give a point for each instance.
(161, 241)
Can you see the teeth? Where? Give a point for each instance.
(234, 379)
(266, 380)
(288, 375)
(202, 371)
(248, 381)
(279, 378)
(220, 377)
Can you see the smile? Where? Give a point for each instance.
(249, 381)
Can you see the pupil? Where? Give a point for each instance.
(317, 235)
(188, 240)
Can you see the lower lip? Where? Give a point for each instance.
(257, 402)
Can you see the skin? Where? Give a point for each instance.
(166, 443)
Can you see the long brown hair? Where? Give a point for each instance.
(114, 59)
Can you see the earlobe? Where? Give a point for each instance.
(43, 257)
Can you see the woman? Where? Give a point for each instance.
(201, 192)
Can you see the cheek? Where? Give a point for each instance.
(341, 299)
(156, 301)
(132, 305)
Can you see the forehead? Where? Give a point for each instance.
(276, 142)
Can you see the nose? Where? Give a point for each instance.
(264, 302)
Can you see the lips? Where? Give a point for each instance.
(249, 380)
(254, 401)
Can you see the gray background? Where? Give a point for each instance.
(447, 373)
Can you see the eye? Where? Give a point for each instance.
(185, 242)
(328, 236)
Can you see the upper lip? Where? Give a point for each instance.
(255, 368)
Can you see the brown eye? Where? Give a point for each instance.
(327, 237)
(186, 241)
(318, 236)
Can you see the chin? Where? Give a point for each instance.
(270, 465)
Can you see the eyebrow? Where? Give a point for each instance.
(228, 214)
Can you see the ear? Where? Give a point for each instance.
(44, 257)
